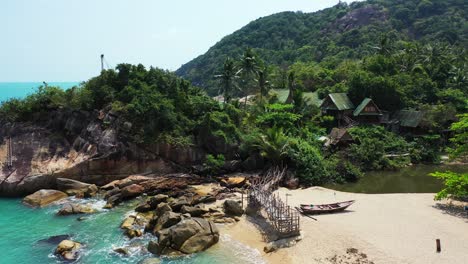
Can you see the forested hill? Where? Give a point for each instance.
(333, 34)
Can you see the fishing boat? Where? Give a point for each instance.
(325, 208)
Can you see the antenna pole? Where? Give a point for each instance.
(102, 62)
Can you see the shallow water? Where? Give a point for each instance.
(22, 227)
(413, 179)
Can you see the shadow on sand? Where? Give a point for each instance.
(453, 210)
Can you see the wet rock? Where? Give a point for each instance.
(71, 208)
(65, 185)
(68, 249)
(113, 201)
(194, 211)
(82, 218)
(42, 198)
(128, 222)
(233, 208)
(162, 208)
(122, 251)
(131, 191)
(189, 236)
(131, 233)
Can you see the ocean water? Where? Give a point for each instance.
(22, 228)
(22, 89)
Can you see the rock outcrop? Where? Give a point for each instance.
(92, 147)
(68, 250)
(72, 209)
(233, 208)
(44, 197)
(189, 236)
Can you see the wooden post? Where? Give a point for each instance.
(438, 245)
(242, 199)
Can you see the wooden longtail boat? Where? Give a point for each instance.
(325, 208)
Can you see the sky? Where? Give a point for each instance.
(61, 40)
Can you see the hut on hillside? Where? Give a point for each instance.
(339, 137)
(408, 121)
(368, 112)
(339, 106)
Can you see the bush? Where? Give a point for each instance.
(214, 163)
(456, 185)
(308, 162)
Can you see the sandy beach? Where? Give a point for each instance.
(378, 228)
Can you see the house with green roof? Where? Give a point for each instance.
(339, 106)
(409, 121)
(367, 112)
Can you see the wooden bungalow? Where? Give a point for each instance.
(340, 137)
(409, 121)
(367, 112)
(339, 106)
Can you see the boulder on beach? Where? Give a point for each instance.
(189, 236)
(71, 209)
(166, 220)
(68, 249)
(177, 204)
(194, 211)
(233, 208)
(128, 222)
(44, 197)
(234, 182)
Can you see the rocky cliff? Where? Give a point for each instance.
(92, 147)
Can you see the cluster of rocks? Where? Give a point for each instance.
(182, 218)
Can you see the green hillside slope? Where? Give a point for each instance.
(331, 35)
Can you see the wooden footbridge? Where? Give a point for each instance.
(282, 218)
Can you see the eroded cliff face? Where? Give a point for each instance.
(89, 147)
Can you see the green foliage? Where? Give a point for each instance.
(372, 147)
(456, 185)
(214, 163)
(273, 145)
(460, 139)
(426, 149)
(278, 115)
(308, 162)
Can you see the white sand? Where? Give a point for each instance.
(388, 228)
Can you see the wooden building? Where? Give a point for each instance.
(368, 112)
(339, 106)
(408, 121)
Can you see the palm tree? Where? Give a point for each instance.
(228, 79)
(263, 83)
(249, 67)
(273, 145)
(291, 87)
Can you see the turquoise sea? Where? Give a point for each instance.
(22, 89)
(22, 229)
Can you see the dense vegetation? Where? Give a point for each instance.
(159, 105)
(321, 42)
(419, 63)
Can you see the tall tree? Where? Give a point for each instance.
(228, 79)
(262, 81)
(249, 67)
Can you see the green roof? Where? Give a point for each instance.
(409, 118)
(282, 95)
(361, 107)
(341, 101)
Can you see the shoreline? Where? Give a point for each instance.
(378, 228)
